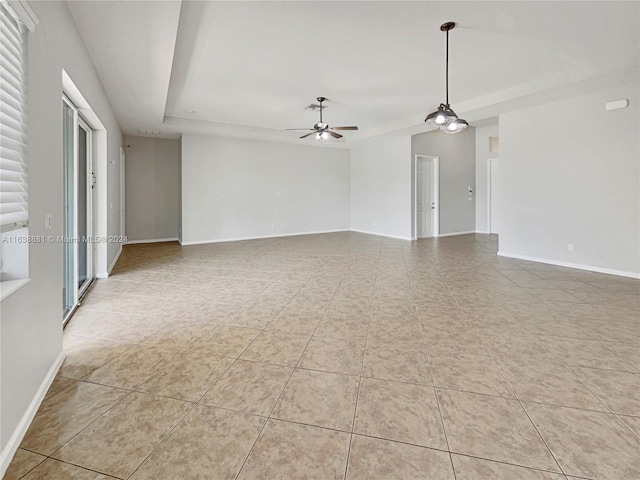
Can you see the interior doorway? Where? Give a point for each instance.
(79, 201)
(427, 185)
(493, 182)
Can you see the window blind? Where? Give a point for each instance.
(14, 211)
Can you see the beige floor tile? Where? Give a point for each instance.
(586, 353)
(551, 384)
(629, 352)
(527, 348)
(493, 428)
(119, 441)
(291, 451)
(178, 335)
(340, 326)
(253, 316)
(390, 362)
(374, 458)
(84, 355)
(187, 376)
(225, 341)
(132, 368)
(277, 348)
(208, 444)
(588, 444)
(451, 298)
(250, 387)
(319, 398)
(472, 373)
(334, 355)
(470, 468)
(22, 463)
(620, 391)
(66, 411)
(632, 422)
(52, 469)
(399, 411)
(299, 323)
(115, 326)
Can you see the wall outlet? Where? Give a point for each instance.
(48, 221)
(570, 247)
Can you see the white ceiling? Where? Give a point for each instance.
(248, 69)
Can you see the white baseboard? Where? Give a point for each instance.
(152, 240)
(113, 264)
(578, 266)
(239, 239)
(378, 234)
(483, 232)
(18, 434)
(453, 234)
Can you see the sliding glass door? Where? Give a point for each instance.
(78, 208)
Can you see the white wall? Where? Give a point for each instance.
(31, 318)
(573, 178)
(381, 186)
(235, 189)
(152, 190)
(457, 173)
(482, 155)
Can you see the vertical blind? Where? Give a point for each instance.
(14, 211)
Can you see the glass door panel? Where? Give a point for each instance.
(78, 218)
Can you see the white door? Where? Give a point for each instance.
(494, 185)
(425, 197)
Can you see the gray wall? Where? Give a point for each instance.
(31, 323)
(152, 180)
(573, 182)
(457, 172)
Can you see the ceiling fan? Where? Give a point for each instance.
(322, 130)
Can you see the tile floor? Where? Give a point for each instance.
(344, 356)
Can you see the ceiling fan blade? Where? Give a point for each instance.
(305, 136)
(352, 127)
(334, 134)
(298, 128)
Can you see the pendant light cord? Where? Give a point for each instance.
(447, 70)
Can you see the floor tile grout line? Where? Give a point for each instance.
(163, 439)
(88, 426)
(553, 455)
(355, 410)
(433, 380)
(75, 465)
(279, 396)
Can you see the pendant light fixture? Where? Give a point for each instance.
(444, 117)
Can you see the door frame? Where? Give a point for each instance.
(80, 122)
(123, 223)
(436, 193)
(490, 163)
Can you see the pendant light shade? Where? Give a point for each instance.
(456, 126)
(444, 117)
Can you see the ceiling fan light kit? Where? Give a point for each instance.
(321, 130)
(444, 118)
